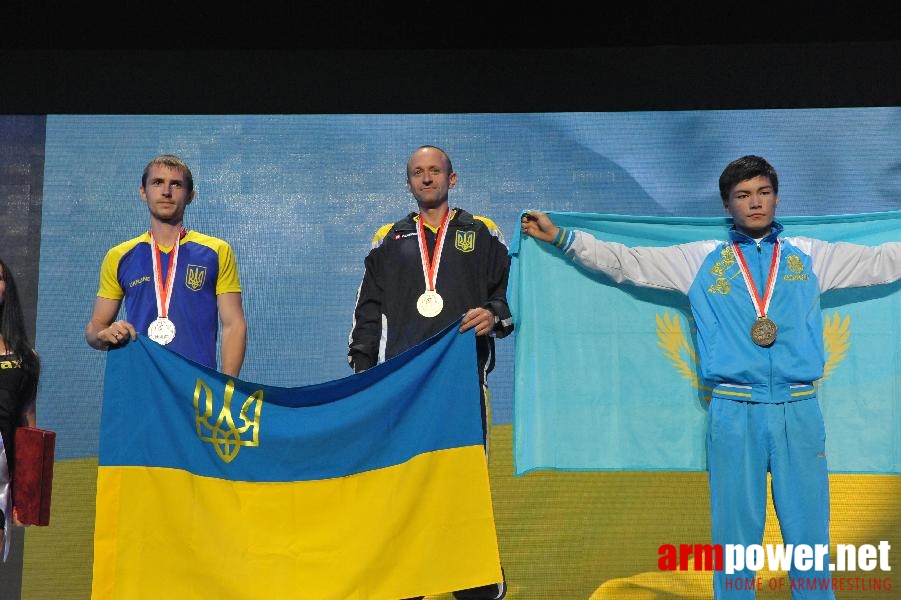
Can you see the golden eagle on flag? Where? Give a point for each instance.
(606, 376)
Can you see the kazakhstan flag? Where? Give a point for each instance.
(606, 375)
(371, 487)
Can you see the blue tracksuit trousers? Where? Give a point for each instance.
(744, 441)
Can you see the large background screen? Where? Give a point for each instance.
(299, 193)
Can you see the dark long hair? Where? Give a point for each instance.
(12, 328)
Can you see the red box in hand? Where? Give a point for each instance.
(33, 475)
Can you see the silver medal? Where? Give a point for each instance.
(430, 304)
(161, 331)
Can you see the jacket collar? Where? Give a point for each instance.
(460, 219)
(741, 238)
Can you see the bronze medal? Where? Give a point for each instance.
(763, 332)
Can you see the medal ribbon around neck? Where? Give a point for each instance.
(163, 289)
(761, 305)
(429, 264)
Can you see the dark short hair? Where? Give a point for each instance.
(744, 168)
(173, 162)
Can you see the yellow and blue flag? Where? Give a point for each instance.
(606, 375)
(371, 487)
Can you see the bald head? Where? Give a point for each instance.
(428, 151)
(430, 177)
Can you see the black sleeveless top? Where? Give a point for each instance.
(12, 384)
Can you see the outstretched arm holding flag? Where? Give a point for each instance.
(755, 300)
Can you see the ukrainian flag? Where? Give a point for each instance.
(370, 487)
(606, 375)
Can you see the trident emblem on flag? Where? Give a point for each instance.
(223, 434)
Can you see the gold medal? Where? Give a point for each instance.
(763, 332)
(430, 304)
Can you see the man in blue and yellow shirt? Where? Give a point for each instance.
(176, 284)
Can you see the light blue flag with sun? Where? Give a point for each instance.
(606, 375)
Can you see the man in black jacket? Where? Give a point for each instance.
(423, 273)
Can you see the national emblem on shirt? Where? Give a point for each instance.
(796, 269)
(195, 277)
(465, 241)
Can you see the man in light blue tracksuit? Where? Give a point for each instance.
(755, 298)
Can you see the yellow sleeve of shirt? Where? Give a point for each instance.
(109, 269)
(228, 270)
(228, 280)
(109, 285)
